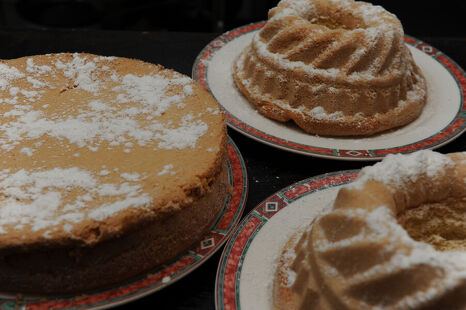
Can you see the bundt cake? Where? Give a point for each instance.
(333, 67)
(110, 166)
(394, 239)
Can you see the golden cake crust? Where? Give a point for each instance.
(61, 269)
(334, 68)
(359, 255)
(95, 151)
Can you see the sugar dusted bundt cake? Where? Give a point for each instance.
(110, 167)
(394, 239)
(333, 67)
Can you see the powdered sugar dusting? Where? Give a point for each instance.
(182, 137)
(83, 72)
(289, 256)
(130, 176)
(36, 70)
(27, 150)
(320, 113)
(376, 26)
(401, 253)
(300, 7)
(167, 169)
(394, 169)
(151, 91)
(36, 199)
(8, 74)
(381, 224)
(371, 14)
(148, 95)
(106, 210)
(98, 110)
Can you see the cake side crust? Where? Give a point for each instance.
(55, 270)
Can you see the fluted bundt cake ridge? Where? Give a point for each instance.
(359, 255)
(346, 57)
(353, 38)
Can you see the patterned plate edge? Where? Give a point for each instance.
(229, 268)
(452, 131)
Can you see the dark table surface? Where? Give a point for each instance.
(269, 169)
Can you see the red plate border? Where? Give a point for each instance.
(234, 253)
(452, 131)
(157, 279)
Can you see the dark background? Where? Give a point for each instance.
(420, 18)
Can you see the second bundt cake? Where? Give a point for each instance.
(394, 239)
(333, 67)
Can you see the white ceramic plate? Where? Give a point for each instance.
(247, 267)
(442, 120)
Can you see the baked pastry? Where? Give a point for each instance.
(333, 67)
(110, 166)
(394, 239)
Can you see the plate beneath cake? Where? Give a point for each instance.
(442, 120)
(159, 278)
(246, 270)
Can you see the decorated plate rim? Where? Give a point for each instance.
(227, 290)
(157, 279)
(449, 133)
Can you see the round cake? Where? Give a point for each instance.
(110, 167)
(394, 239)
(335, 68)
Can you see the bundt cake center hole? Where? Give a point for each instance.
(442, 225)
(328, 23)
(343, 22)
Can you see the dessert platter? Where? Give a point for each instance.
(389, 236)
(117, 179)
(322, 78)
(351, 88)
